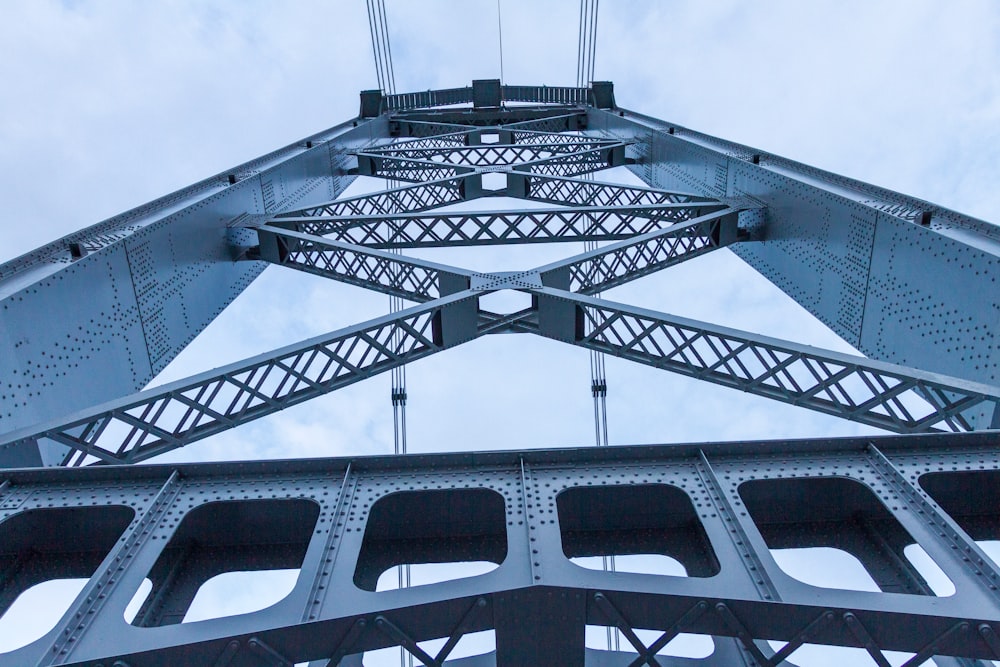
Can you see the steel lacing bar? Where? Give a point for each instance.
(393, 631)
(280, 397)
(568, 191)
(393, 268)
(568, 164)
(202, 409)
(488, 153)
(153, 402)
(197, 401)
(93, 433)
(417, 171)
(607, 276)
(629, 333)
(584, 160)
(603, 223)
(443, 140)
(417, 197)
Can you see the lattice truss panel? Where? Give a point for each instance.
(708, 506)
(640, 231)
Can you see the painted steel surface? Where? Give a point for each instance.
(159, 274)
(717, 508)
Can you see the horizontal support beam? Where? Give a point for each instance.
(419, 197)
(536, 225)
(408, 169)
(414, 279)
(616, 264)
(484, 155)
(888, 396)
(446, 139)
(423, 129)
(155, 421)
(589, 158)
(566, 122)
(567, 191)
(546, 118)
(330, 613)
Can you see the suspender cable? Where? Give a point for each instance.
(375, 53)
(387, 49)
(579, 47)
(586, 50)
(500, 37)
(398, 396)
(593, 42)
(599, 390)
(378, 25)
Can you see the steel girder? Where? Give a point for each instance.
(154, 421)
(895, 276)
(549, 225)
(898, 399)
(718, 509)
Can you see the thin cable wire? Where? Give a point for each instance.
(593, 42)
(399, 397)
(378, 25)
(375, 56)
(500, 35)
(391, 74)
(579, 48)
(586, 49)
(599, 390)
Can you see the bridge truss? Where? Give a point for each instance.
(908, 283)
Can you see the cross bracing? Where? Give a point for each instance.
(702, 195)
(534, 225)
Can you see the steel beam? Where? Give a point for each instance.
(893, 275)
(720, 510)
(587, 158)
(536, 225)
(144, 425)
(414, 279)
(618, 263)
(566, 191)
(99, 313)
(369, 512)
(889, 396)
(417, 197)
(489, 155)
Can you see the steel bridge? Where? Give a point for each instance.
(87, 321)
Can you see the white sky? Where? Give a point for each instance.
(107, 105)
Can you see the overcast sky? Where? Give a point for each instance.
(107, 105)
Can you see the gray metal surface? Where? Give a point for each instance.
(717, 508)
(899, 278)
(889, 273)
(153, 277)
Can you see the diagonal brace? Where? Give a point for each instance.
(409, 278)
(155, 421)
(889, 396)
(530, 225)
(616, 264)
